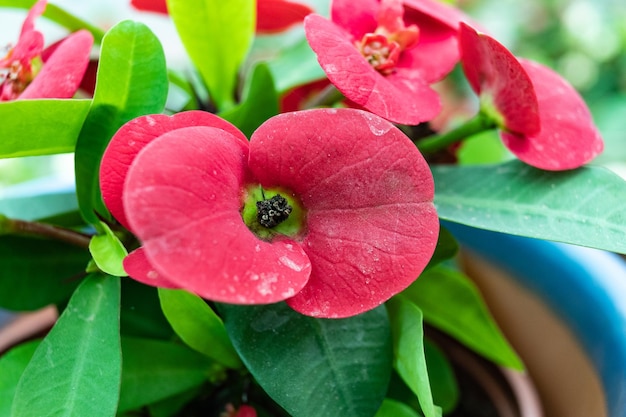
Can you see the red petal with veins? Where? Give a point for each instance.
(568, 137)
(396, 97)
(277, 15)
(139, 268)
(134, 136)
(63, 71)
(183, 196)
(493, 71)
(356, 18)
(371, 223)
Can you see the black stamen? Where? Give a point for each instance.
(273, 211)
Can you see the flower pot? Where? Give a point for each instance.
(562, 307)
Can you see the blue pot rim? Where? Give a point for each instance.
(585, 287)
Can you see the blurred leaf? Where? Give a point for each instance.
(198, 326)
(36, 272)
(451, 303)
(296, 66)
(170, 406)
(141, 314)
(38, 199)
(314, 367)
(586, 206)
(446, 248)
(217, 35)
(408, 347)
(442, 380)
(392, 408)
(132, 81)
(12, 365)
(78, 364)
(108, 252)
(260, 102)
(40, 127)
(154, 370)
(483, 148)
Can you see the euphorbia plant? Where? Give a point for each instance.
(219, 253)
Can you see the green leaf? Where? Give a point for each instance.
(40, 127)
(451, 303)
(314, 367)
(392, 408)
(586, 206)
(446, 248)
(76, 369)
(36, 272)
(154, 370)
(141, 314)
(442, 380)
(260, 102)
(198, 326)
(132, 81)
(408, 348)
(217, 35)
(108, 252)
(12, 365)
(296, 66)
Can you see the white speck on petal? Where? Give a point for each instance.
(289, 263)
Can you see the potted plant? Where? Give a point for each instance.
(245, 237)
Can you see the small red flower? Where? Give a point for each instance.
(544, 121)
(383, 55)
(243, 411)
(272, 15)
(29, 71)
(183, 184)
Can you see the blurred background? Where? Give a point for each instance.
(583, 40)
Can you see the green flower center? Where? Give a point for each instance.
(272, 212)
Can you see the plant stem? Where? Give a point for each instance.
(473, 126)
(327, 97)
(23, 227)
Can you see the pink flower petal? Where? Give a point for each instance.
(34, 12)
(356, 18)
(156, 6)
(134, 136)
(183, 196)
(568, 137)
(64, 69)
(394, 97)
(446, 15)
(493, 71)
(138, 268)
(277, 15)
(371, 223)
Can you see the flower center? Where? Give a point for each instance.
(16, 75)
(383, 47)
(272, 212)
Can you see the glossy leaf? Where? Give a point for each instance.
(141, 314)
(132, 81)
(76, 369)
(463, 315)
(446, 248)
(314, 367)
(217, 35)
(198, 326)
(408, 347)
(108, 252)
(154, 370)
(40, 127)
(260, 102)
(12, 365)
(442, 378)
(295, 65)
(36, 272)
(392, 408)
(584, 207)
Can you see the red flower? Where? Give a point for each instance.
(272, 15)
(544, 121)
(383, 55)
(243, 411)
(364, 225)
(29, 71)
